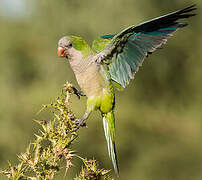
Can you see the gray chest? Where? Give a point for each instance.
(91, 81)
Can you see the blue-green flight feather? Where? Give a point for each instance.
(125, 52)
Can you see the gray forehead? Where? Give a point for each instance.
(64, 41)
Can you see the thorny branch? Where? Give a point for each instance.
(52, 145)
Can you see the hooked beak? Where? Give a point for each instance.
(61, 52)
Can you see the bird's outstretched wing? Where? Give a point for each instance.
(125, 52)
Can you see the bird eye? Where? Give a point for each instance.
(70, 45)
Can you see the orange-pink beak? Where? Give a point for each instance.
(61, 52)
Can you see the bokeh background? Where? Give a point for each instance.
(159, 116)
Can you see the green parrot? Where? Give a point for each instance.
(112, 61)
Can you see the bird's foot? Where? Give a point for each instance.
(78, 93)
(71, 89)
(79, 123)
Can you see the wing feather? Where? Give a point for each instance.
(126, 51)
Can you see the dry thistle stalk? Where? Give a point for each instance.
(52, 145)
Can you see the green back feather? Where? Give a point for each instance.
(99, 44)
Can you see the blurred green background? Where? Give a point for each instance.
(159, 116)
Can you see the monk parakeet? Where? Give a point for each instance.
(112, 61)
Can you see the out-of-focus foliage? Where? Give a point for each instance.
(159, 116)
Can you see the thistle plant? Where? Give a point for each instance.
(53, 145)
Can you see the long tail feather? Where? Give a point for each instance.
(109, 129)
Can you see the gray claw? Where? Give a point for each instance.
(79, 123)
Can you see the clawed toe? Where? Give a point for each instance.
(78, 93)
(79, 123)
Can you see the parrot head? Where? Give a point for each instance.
(64, 47)
(73, 46)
